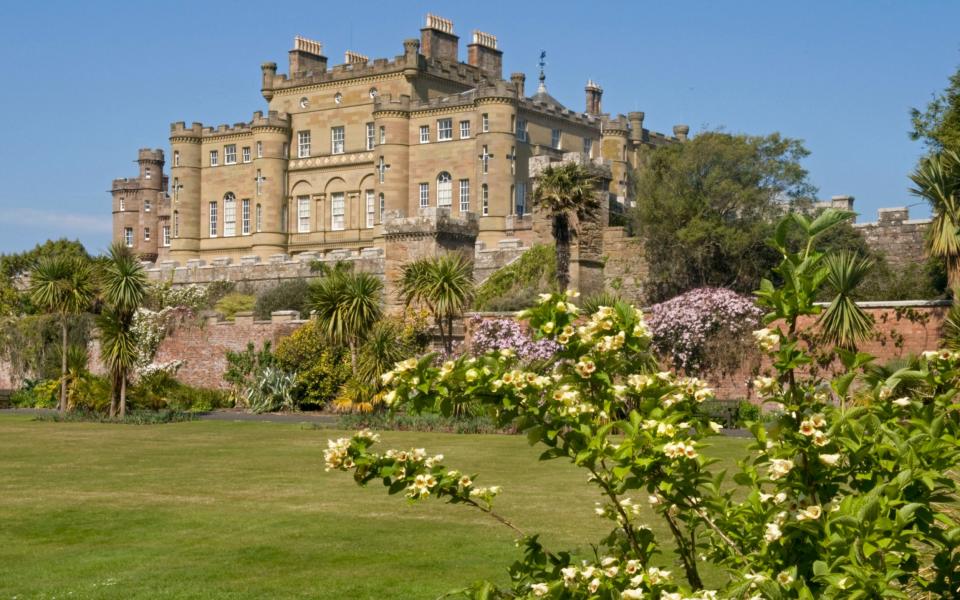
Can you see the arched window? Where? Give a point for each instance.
(444, 190)
(229, 215)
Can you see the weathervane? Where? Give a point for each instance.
(543, 77)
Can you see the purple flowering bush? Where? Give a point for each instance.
(502, 334)
(706, 329)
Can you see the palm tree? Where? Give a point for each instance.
(444, 284)
(63, 286)
(124, 286)
(843, 322)
(562, 192)
(937, 180)
(347, 305)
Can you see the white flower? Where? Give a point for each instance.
(766, 339)
(772, 533)
(811, 513)
(784, 578)
(902, 401)
(671, 596)
(569, 575)
(632, 594)
(780, 467)
(829, 459)
(715, 427)
(545, 298)
(807, 428)
(656, 575)
(594, 585)
(632, 566)
(539, 589)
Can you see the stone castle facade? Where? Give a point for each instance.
(347, 158)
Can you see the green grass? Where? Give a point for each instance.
(244, 510)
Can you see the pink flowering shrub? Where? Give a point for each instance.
(701, 328)
(501, 334)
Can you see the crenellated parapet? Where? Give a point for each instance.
(198, 133)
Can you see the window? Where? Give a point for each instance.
(146, 205)
(245, 217)
(336, 140)
(214, 158)
(303, 144)
(259, 182)
(424, 134)
(246, 154)
(381, 169)
(259, 149)
(444, 130)
(176, 158)
(522, 130)
(146, 173)
(229, 215)
(383, 206)
(123, 204)
(303, 214)
(166, 236)
(128, 236)
(464, 195)
(424, 195)
(464, 129)
(485, 123)
(444, 189)
(336, 211)
(176, 189)
(213, 219)
(230, 154)
(259, 218)
(587, 146)
(383, 134)
(370, 209)
(485, 199)
(555, 138)
(176, 224)
(146, 234)
(370, 136)
(484, 161)
(521, 191)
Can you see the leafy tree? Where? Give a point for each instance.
(62, 285)
(124, 287)
(564, 193)
(713, 201)
(292, 294)
(938, 126)
(444, 284)
(347, 305)
(937, 180)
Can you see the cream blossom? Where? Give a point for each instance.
(655, 575)
(632, 594)
(594, 585)
(780, 467)
(631, 567)
(784, 578)
(829, 459)
(766, 339)
(807, 428)
(772, 533)
(539, 589)
(811, 513)
(820, 439)
(902, 401)
(819, 421)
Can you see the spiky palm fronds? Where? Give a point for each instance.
(444, 284)
(844, 323)
(346, 306)
(937, 180)
(561, 193)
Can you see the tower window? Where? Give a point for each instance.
(246, 154)
(555, 138)
(176, 224)
(587, 146)
(521, 190)
(383, 134)
(464, 195)
(424, 195)
(128, 236)
(166, 236)
(214, 158)
(370, 136)
(123, 204)
(303, 144)
(383, 206)
(176, 158)
(485, 199)
(424, 134)
(444, 189)
(259, 149)
(522, 130)
(146, 234)
(485, 123)
(464, 130)
(259, 218)
(336, 140)
(146, 173)
(146, 205)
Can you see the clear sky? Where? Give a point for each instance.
(87, 83)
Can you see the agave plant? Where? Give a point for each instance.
(937, 180)
(843, 322)
(272, 391)
(63, 286)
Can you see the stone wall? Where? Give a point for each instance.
(625, 268)
(895, 235)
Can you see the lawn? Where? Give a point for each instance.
(245, 510)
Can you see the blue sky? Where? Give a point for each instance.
(86, 84)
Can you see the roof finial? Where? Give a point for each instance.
(543, 78)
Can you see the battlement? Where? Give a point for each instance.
(150, 155)
(558, 112)
(274, 119)
(180, 130)
(125, 184)
(615, 125)
(199, 131)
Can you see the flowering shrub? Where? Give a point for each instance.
(497, 334)
(837, 499)
(700, 327)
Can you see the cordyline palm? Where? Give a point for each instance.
(63, 286)
(561, 193)
(843, 322)
(937, 180)
(444, 284)
(123, 286)
(347, 305)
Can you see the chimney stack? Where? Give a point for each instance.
(518, 80)
(680, 132)
(483, 54)
(636, 126)
(594, 93)
(438, 41)
(306, 57)
(353, 58)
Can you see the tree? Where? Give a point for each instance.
(444, 284)
(562, 193)
(705, 209)
(937, 180)
(939, 124)
(124, 287)
(347, 305)
(62, 285)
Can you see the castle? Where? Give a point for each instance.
(344, 154)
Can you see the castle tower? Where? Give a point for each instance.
(137, 203)
(185, 191)
(270, 221)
